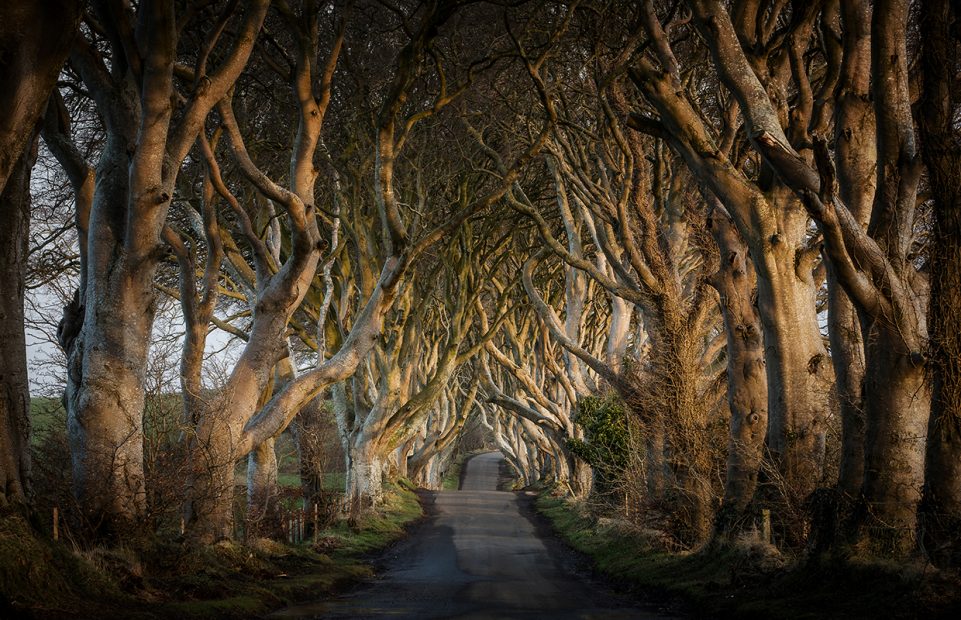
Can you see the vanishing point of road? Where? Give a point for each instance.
(477, 556)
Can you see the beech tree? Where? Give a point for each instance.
(784, 112)
(882, 281)
(736, 284)
(219, 439)
(643, 244)
(34, 42)
(106, 330)
(430, 454)
(525, 379)
(236, 421)
(940, 142)
(774, 225)
(383, 407)
(501, 215)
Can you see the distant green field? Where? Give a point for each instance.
(46, 414)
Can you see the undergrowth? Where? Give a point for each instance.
(43, 579)
(752, 580)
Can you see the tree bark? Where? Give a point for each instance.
(897, 414)
(105, 399)
(366, 467)
(262, 489)
(685, 413)
(136, 179)
(208, 511)
(856, 157)
(798, 370)
(220, 442)
(34, 42)
(746, 375)
(773, 224)
(14, 387)
(941, 150)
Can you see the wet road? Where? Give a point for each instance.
(477, 556)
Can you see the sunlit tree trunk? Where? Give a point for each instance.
(877, 268)
(105, 406)
(136, 179)
(799, 373)
(209, 509)
(366, 474)
(773, 224)
(746, 375)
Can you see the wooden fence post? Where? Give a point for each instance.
(766, 526)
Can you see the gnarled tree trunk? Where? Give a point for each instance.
(105, 401)
(746, 375)
(366, 469)
(798, 369)
(897, 414)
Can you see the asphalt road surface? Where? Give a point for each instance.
(477, 556)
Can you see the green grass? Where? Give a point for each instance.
(754, 581)
(244, 606)
(377, 529)
(451, 480)
(234, 581)
(48, 578)
(167, 579)
(46, 415)
(40, 578)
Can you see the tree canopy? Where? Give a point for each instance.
(698, 259)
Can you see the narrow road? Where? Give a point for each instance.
(477, 556)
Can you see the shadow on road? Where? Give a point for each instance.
(477, 555)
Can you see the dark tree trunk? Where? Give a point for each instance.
(941, 150)
(35, 38)
(14, 392)
(856, 156)
(312, 431)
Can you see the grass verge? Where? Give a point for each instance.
(451, 480)
(752, 580)
(42, 579)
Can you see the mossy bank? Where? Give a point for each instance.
(40, 578)
(752, 580)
